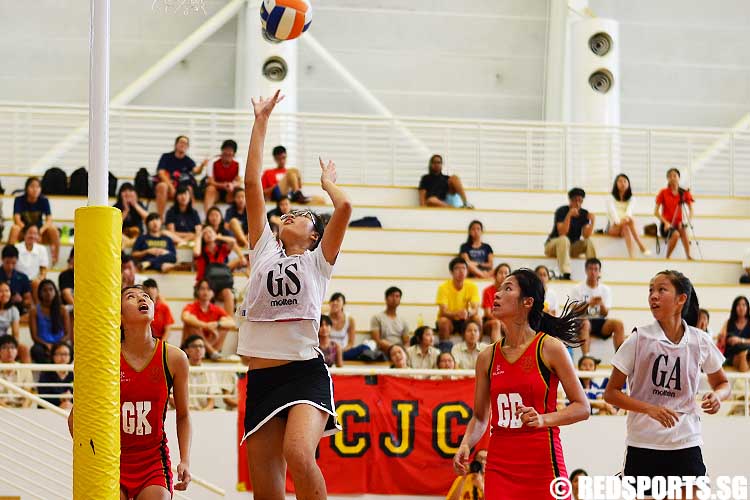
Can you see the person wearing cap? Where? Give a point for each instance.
(594, 391)
(571, 233)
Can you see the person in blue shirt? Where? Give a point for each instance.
(32, 208)
(20, 285)
(183, 222)
(133, 213)
(236, 218)
(49, 323)
(595, 390)
(477, 254)
(155, 250)
(175, 168)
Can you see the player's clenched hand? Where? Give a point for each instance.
(183, 476)
(530, 417)
(461, 460)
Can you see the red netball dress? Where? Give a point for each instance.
(521, 460)
(144, 395)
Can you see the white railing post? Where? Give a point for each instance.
(731, 164)
(528, 159)
(649, 166)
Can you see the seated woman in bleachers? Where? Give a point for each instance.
(620, 213)
(343, 331)
(594, 389)
(477, 254)
(215, 219)
(183, 221)
(21, 377)
(331, 351)
(399, 358)
(33, 259)
(236, 218)
(466, 353)
(491, 326)
(423, 354)
(10, 322)
(32, 209)
(134, 214)
(735, 334)
(211, 257)
(550, 297)
(439, 190)
(48, 323)
(57, 394)
(155, 249)
(202, 384)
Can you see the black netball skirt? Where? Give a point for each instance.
(271, 392)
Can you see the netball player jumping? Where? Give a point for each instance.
(289, 390)
(663, 363)
(149, 370)
(520, 375)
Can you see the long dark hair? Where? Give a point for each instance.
(566, 326)
(126, 186)
(429, 163)
(10, 299)
(681, 283)
(733, 314)
(189, 207)
(469, 241)
(616, 192)
(221, 219)
(55, 305)
(28, 183)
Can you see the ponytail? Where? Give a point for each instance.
(566, 327)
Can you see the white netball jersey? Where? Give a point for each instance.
(280, 315)
(666, 374)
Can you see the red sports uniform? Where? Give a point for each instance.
(144, 456)
(521, 460)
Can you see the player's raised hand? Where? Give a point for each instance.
(328, 172)
(263, 107)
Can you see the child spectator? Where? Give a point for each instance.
(211, 257)
(281, 182)
(283, 206)
(457, 300)
(155, 250)
(620, 212)
(236, 218)
(330, 349)
(10, 322)
(399, 358)
(439, 190)
(671, 200)
(65, 282)
(423, 354)
(388, 328)
(48, 323)
(550, 297)
(183, 221)
(175, 169)
(571, 232)
(594, 391)
(478, 255)
(55, 393)
(209, 321)
(162, 314)
(133, 214)
(224, 176)
(492, 327)
(735, 334)
(203, 387)
(33, 260)
(32, 209)
(20, 286)
(21, 377)
(466, 353)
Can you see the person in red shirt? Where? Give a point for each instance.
(215, 249)
(224, 177)
(206, 319)
(492, 326)
(162, 314)
(282, 182)
(671, 199)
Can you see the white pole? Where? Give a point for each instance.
(99, 103)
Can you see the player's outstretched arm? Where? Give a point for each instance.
(178, 366)
(481, 417)
(342, 212)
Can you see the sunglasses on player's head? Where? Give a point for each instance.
(298, 213)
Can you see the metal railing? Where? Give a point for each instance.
(391, 151)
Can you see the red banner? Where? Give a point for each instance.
(399, 435)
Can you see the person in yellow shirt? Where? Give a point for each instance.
(458, 301)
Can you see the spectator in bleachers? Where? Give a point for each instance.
(332, 352)
(550, 297)
(478, 255)
(620, 213)
(571, 233)
(215, 220)
(20, 377)
(574, 491)
(224, 177)
(388, 328)
(32, 209)
(423, 354)
(399, 358)
(49, 323)
(202, 384)
(209, 321)
(457, 300)
(183, 222)
(283, 206)
(598, 297)
(134, 213)
(735, 334)
(128, 271)
(703, 318)
(445, 361)
(62, 354)
(236, 218)
(466, 353)
(33, 260)
(211, 257)
(20, 286)
(162, 314)
(175, 169)
(439, 190)
(282, 182)
(343, 327)
(155, 250)
(65, 282)
(10, 322)
(594, 390)
(492, 327)
(671, 200)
